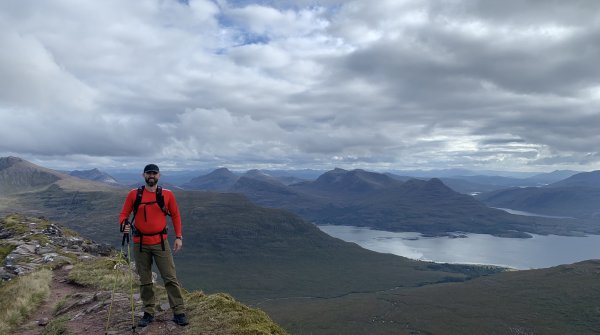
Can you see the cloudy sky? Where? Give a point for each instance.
(386, 84)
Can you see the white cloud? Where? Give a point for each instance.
(275, 23)
(384, 84)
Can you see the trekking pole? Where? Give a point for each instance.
(126, 239)
(131, 288)
(125, 236)
(119, 260)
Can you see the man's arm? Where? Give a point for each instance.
(176, 219)
(127, 206)
(174, 211)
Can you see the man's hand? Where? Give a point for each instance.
(177, 245)
(126, 229)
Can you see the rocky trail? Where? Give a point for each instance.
(85, 311)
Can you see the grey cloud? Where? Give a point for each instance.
(387, 83)
(501, 141)
(575, 13)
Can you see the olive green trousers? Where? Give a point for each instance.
(166, 267)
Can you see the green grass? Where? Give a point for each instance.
(39, 238)
(69, 232)
(57, 326)
(104, 273)
(14, 224)
(61, 303)
(221, 314)
(554, 301)
(5, 250)
(21, 296)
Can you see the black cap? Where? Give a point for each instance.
(151, 168)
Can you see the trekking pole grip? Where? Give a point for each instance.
(122, 229)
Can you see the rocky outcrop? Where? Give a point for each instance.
(31, 243)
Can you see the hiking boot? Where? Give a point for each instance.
(180, 319)
(145, 320)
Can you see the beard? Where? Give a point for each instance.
(151, 181)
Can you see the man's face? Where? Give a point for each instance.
(151, 178)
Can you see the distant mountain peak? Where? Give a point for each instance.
(435, 184)
(256, 172)
(6, 162)
(221, 179)
(94, 174)
(222, 170)
(357, 180)
(18, 175)
(259, 175)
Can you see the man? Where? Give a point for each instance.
(149, 236)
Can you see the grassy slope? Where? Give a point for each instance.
(20, 297)
(559, 300)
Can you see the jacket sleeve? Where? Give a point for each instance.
(175, 216)
(127, 206)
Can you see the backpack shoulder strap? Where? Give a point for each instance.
(160, 200)
(138, 200)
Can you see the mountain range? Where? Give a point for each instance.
(460, 180)
(311, 283)
(384, 201)
(577, 196)
(402, 203)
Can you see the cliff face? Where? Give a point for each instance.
(54, 282)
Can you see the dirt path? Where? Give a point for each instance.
(85, 311)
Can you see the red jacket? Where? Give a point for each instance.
(149, 218)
